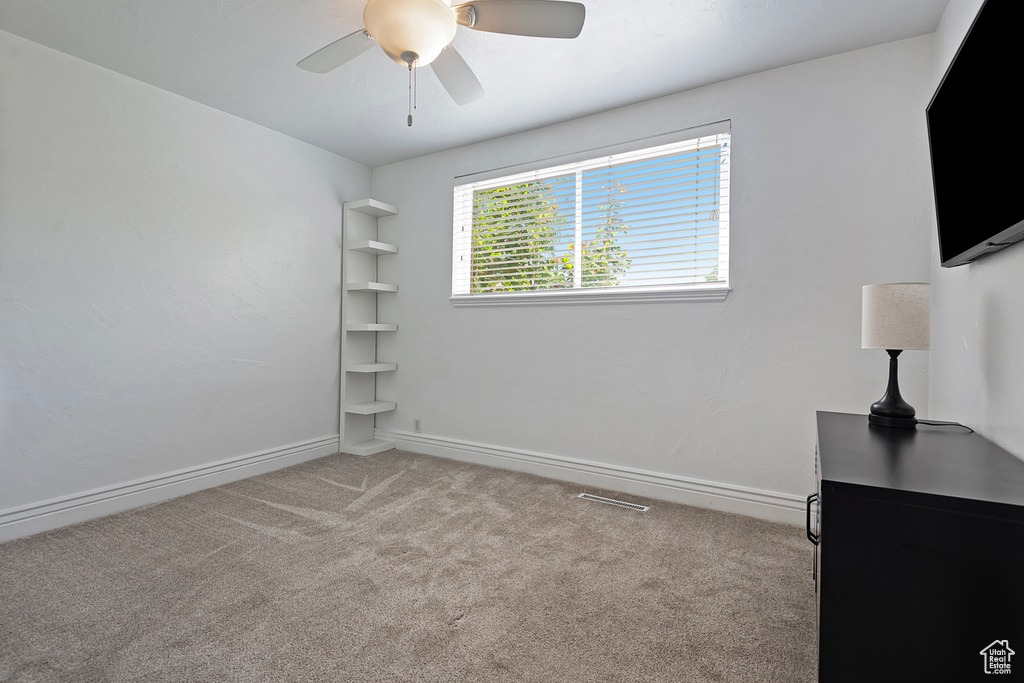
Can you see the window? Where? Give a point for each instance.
(647, 224)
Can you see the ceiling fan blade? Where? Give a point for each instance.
(337, 53)
(540, 18)
(456, 76)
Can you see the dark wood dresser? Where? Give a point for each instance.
(919, 562)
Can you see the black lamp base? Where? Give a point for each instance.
(897, 422)
(891, 410)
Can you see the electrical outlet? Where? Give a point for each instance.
(416, 425)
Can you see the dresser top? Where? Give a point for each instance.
(936, 460)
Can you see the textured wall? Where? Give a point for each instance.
(977, 314)
(830, 190)
(169, 280)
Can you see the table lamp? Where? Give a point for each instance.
(895, 317)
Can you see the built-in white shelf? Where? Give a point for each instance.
(371, 327)
(371, 367)
(369, 447)
(373, 247)
(361, 252)
(375, 287)
(372, 207)
(370, 407)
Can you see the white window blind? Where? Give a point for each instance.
(651, 220)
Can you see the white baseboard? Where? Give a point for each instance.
(771, 505)
(57, 512)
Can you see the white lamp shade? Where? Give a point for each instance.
(896, 316)
(422, 26)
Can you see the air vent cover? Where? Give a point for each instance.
(611, 501)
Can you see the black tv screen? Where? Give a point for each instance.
(976, 148)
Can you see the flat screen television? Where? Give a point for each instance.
(977, 149)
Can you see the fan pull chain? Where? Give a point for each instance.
(411, 58)
(413, 84)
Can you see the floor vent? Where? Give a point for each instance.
(610, 501)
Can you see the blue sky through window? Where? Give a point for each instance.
(670, 208)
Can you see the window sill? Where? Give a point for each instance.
(711, 292)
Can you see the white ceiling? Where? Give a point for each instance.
(239, 56)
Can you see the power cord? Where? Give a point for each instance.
(937, 423)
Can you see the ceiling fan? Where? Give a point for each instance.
(419, 33)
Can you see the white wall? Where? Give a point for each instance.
(977, 376)
(830, 192)
(169, 286)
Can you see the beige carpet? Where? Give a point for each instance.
(402, 567)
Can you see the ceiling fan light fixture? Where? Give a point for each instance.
(423, 27)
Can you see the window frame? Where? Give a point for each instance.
(694, 291)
